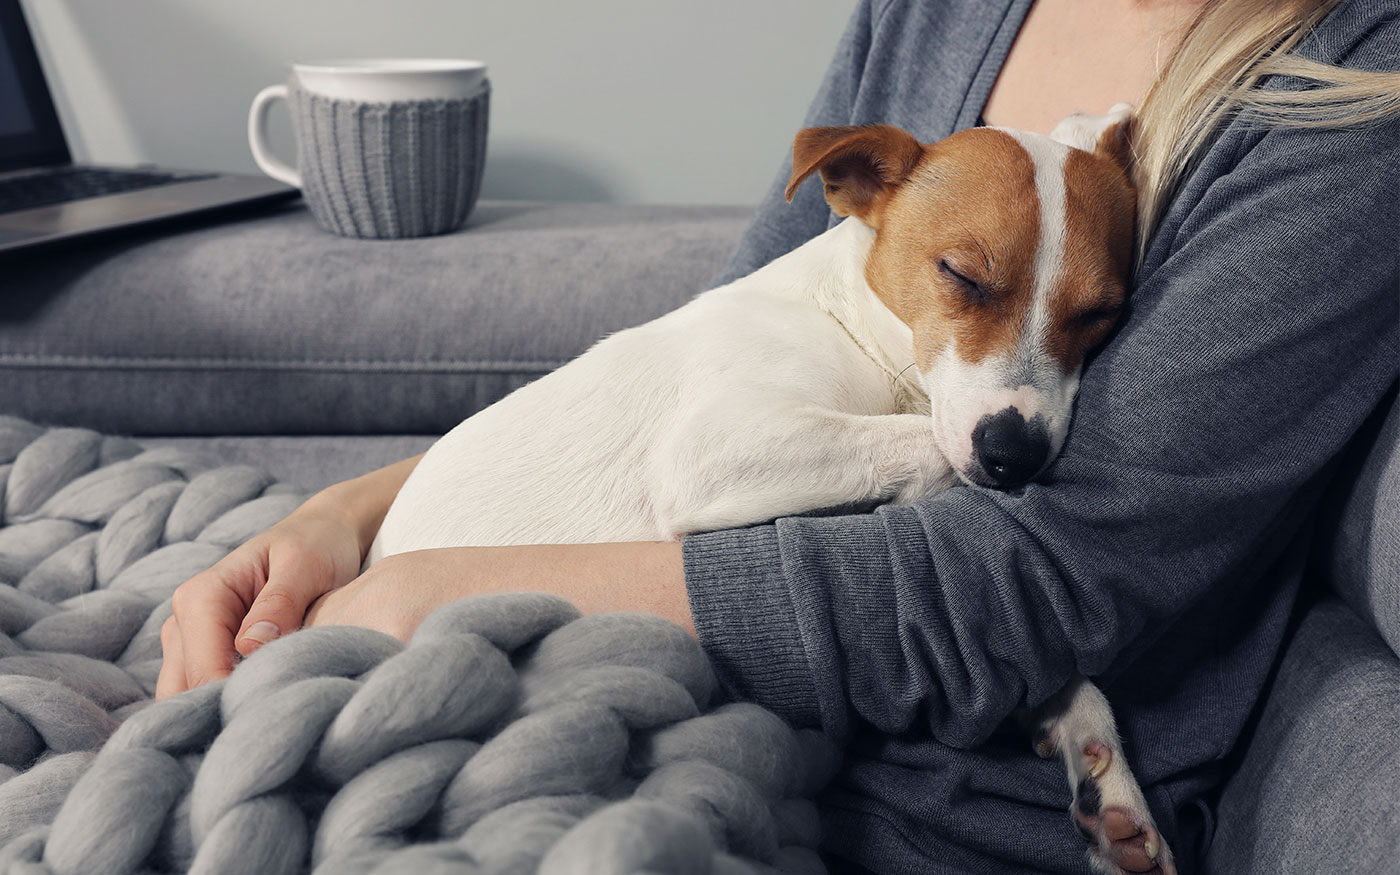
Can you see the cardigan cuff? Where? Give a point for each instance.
(744, 617)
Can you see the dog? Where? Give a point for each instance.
(934, 336)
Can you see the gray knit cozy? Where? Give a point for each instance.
(509, 735)
(401, 169)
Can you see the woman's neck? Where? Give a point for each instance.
(1084, 55)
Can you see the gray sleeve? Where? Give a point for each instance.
(1254, 349)
(778, 226)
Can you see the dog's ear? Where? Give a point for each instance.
(1109, 135)
(860, 165)
(1116, 143)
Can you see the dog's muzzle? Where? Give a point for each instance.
(1008, 449)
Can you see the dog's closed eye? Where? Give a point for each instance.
(1096, 317)
(973, 290)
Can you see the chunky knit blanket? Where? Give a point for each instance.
(509, 735)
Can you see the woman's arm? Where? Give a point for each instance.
(363, 501)
(1263, 332)
(399, 591)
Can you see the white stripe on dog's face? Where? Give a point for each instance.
(1006, 253)
(1024, 378)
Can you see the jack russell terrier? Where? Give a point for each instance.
(934, 336)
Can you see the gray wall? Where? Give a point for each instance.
(634, 101)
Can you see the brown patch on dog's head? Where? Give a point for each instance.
(1100, 214)
(955, 254)
(1116, 144)
(861, 165)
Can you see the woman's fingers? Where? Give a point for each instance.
(295, 578)
(207, 610)
(257, 593)
(172, 666)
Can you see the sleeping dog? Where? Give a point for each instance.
(934, 336)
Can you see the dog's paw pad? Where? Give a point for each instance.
(1110, 814)
(1122, 843)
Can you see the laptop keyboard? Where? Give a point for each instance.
(63, 184)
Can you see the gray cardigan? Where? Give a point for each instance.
(1162, 554)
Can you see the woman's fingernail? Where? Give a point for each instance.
(262, 632)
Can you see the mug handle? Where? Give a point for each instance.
(257, 136)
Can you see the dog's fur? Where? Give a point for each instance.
(935, 335)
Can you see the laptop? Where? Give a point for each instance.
(45, 198)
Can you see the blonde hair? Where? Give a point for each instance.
(1211, 77)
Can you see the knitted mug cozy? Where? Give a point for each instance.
(408, 168)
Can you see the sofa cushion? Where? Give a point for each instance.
(1316, 790)
(1361, 524)
(271, 326)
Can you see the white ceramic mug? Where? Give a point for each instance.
(367, 80)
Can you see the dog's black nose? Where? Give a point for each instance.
(1009, 449)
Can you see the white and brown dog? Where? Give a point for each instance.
(935, 335)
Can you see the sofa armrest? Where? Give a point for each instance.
(272, 326)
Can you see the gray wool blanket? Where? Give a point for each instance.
(509, 735)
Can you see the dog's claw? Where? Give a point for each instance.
(1099, 757)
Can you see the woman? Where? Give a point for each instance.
(1161, 554)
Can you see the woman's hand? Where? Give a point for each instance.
(262, 589)
(254, 594)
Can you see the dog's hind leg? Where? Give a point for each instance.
(1108, 810)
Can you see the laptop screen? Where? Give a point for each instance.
(15, 117)
(30, 135)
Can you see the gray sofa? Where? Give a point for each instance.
(266, 341)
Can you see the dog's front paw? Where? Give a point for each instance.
(1111, 814)
(912, 468)
(924, 483)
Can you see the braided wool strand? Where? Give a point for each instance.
(509, 735)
